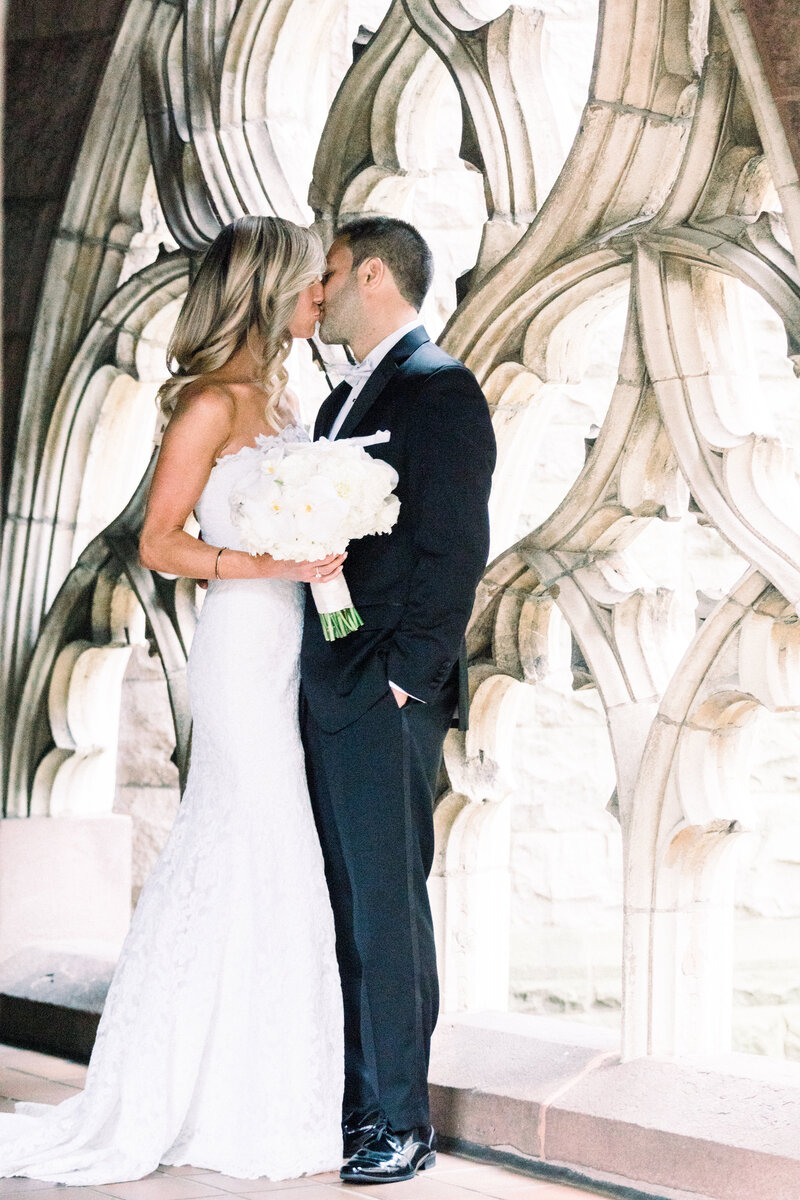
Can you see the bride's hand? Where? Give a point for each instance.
(321, 571)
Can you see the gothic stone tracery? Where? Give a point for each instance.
(678, 192)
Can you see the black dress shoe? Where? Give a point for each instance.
(359, 1127)
(388, 1157)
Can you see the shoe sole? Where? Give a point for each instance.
(428, 1161)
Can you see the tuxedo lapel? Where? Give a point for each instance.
(330, 407)
(379, 378)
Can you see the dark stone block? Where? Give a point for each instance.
(776, 31)
(45, 121)
(56, 54)
(776, 27)
(29, 228)
(20, 20)
(48, 1028)
(77, 16)
(50, 89)
(790, 112)
(15, 359)
(54, 18)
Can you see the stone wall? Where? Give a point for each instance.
(766, 985)
(566, 926)
(566, 862)
(566, 907)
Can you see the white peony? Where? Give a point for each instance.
(309, 499)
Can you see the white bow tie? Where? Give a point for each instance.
(351, 373)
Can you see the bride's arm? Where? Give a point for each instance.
(198, 429)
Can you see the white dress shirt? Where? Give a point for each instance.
(359, 376)
(360, 373)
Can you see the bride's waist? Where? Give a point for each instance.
(252, 598)
(288, 588)
(233, 608)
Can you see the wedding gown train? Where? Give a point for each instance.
(220, 1044)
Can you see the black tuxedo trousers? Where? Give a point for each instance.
(372, 786)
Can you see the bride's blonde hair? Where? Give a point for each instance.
(245, 291)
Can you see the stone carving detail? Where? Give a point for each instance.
(499, 105)
(77, 777)
(668, 196)
(682, 418)
(689, 809)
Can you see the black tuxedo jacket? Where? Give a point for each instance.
(414, 587)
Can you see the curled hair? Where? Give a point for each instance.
(245, 292)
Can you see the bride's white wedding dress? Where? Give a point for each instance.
(221, 1041)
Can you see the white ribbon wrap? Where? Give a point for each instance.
(332, 596)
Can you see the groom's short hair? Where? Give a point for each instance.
(397, 244)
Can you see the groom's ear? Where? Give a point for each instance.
(372, 272)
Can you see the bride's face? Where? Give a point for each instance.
(305, 316)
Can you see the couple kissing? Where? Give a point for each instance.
(272, 1009)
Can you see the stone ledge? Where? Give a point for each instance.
(553, 1096)
(64, 880)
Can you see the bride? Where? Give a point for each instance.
(220, 1044)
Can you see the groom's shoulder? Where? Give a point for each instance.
(444, 392)
(431, 360)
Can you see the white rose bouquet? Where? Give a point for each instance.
(308, 500)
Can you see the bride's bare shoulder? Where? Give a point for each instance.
(205, 397)
(204, 403)
(201, 422)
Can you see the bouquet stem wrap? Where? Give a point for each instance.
(335, 607)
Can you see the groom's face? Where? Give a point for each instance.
(342, 309)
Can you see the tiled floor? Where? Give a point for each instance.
(28, 1076)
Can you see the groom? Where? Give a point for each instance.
(377, 704)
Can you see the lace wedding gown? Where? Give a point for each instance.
(221, 1041)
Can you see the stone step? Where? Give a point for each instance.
(554, 1094)
(51, 998)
